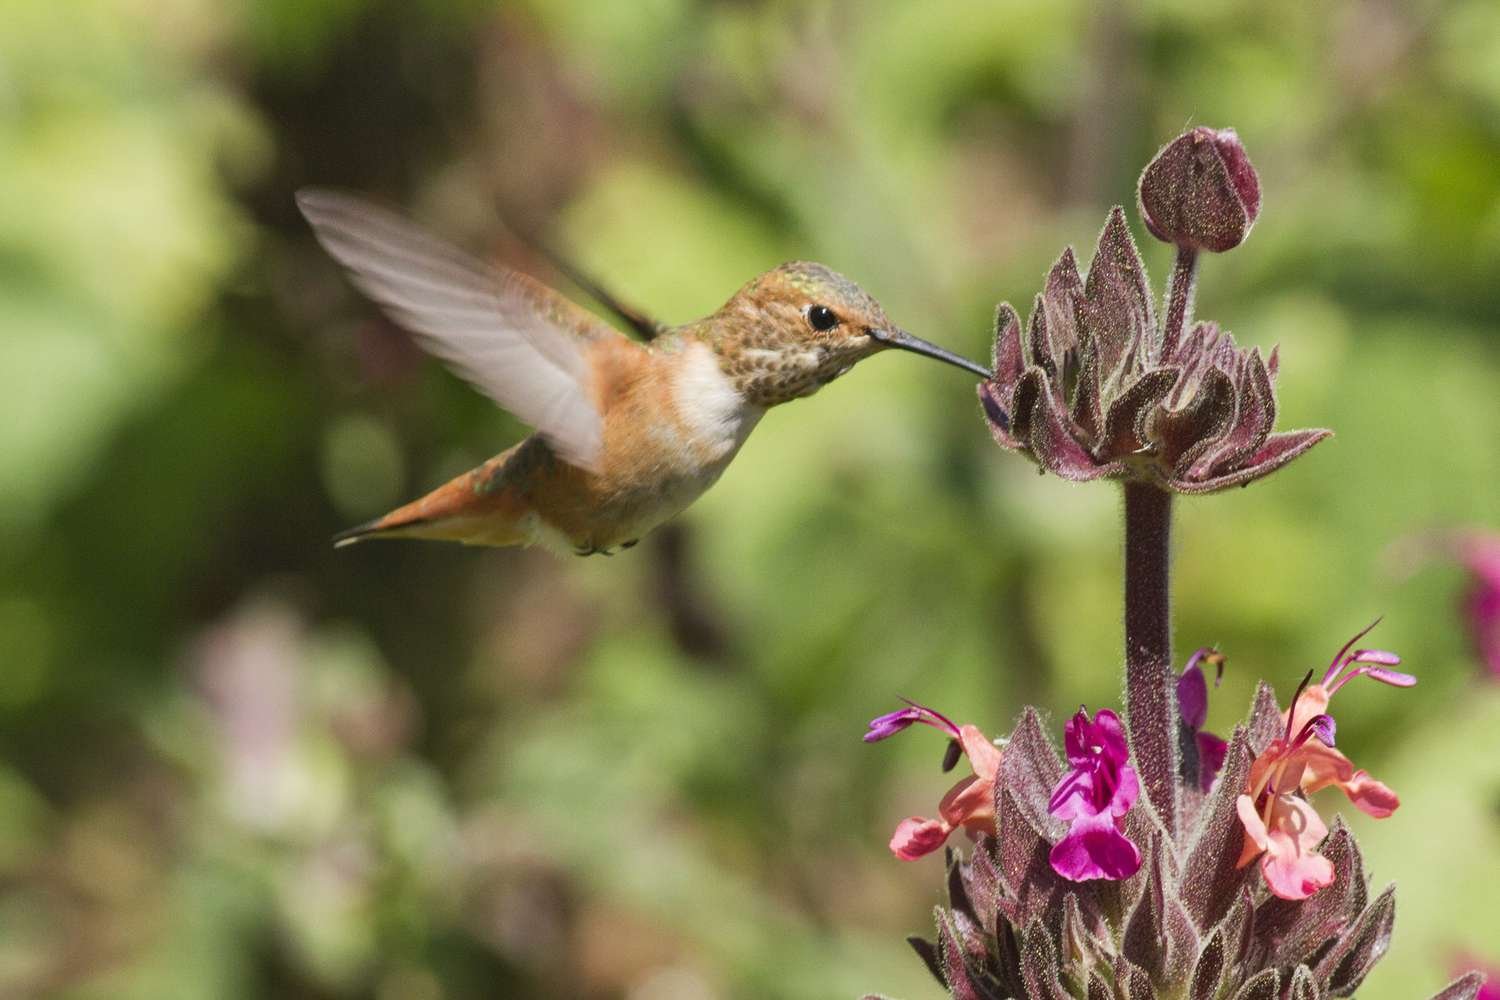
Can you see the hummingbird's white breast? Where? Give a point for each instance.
(674, 456)
(716, 418)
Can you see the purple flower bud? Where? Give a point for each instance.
(1192, 706)
(1192, 686)
(1201, 191)
(1192, 697)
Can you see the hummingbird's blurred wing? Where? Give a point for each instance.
(514, 339)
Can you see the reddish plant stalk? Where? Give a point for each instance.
(1150, 691)
(1150, 687)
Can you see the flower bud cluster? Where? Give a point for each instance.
(1091, 386)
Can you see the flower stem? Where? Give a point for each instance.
(1150, 695)
(1179, 299)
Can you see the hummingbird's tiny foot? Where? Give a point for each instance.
(592, 550)
(630, 544)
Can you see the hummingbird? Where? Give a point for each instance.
(627, 434)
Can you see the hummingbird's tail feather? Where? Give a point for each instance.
(358, 533)
(476, 508)
(378, 528)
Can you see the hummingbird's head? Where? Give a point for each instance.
(798, 327)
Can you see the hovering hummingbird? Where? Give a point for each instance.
(628, 434)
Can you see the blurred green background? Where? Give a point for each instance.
(234, 763)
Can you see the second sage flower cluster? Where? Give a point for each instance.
(1099, 788)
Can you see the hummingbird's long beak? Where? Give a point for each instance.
(906, 342)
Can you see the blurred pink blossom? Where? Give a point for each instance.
(246, 670)
(1480, 554)
(1478, 551)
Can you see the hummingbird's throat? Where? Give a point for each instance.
(767, 376)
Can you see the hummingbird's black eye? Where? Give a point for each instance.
(822, 318)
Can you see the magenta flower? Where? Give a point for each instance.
(1281, 826)
(1192, 704)
(970, 804)
(1093, 798)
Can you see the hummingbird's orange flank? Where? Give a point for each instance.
(627, 434)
